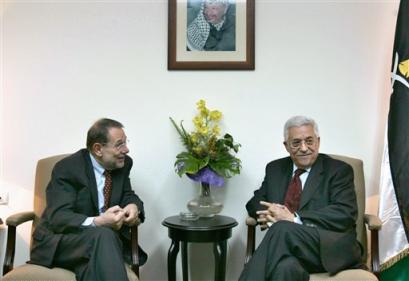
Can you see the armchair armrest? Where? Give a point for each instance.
(19, 218)
(373, 222)
(374, 225)
(251, 221)
(251, 238)
(135, 249)
(12, 222)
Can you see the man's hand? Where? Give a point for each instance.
(131, 214)
(262, 221)
(114, 217)
(265, 217)
(274, 212)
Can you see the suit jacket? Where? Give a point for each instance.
(328, 203)
(72, 197)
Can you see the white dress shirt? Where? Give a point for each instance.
(100, 180)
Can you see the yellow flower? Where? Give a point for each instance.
(201, 107)
(198, 121)
(197, 150)
(203, 130)
(194, 138)
(201, 104)
(215, 115)
(204, 112)
(216, 130)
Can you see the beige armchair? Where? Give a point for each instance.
(373, 222)
(28, 272)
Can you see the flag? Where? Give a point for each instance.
(394, 183)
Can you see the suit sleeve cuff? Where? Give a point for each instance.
(89, 222)
(297, 219)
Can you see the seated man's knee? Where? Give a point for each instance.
(105, 239)
(104, 233)
(289, 268)
(282, 227)
(288, 263)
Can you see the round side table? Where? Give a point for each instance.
(204, 230)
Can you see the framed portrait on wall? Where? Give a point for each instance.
(211, 34)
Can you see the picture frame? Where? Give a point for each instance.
(197, 41)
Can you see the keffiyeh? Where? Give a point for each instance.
(198, 31)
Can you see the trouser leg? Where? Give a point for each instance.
(284, 239)
(290, 269)
(94, 253)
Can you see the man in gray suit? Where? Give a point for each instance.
(307, 202)
(85, 226)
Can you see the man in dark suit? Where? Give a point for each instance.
(307, 202)
(90, 207)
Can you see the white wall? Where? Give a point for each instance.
(67, 63)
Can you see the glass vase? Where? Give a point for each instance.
(204, 205)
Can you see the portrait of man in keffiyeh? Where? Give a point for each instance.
(211, 25)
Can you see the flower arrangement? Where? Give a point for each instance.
(208, 157)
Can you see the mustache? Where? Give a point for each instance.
(304, 154)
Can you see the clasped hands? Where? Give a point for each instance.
(116, 216)
(273, 213)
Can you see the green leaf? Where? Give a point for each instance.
(185, 137)
(226, 165)
(187, 163)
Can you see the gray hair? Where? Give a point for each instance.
(298, 121)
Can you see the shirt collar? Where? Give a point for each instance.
(97, 167)
(295, 168)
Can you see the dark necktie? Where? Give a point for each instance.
(293, 196)
(107, 189)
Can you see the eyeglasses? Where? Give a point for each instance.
(119, 145)
(297, 143)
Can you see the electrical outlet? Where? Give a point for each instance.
(4, 198)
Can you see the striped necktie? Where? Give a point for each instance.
(293, 195)
(107, 189)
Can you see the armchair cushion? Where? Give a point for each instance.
(36, 272)
(29, 272)
(345, 275)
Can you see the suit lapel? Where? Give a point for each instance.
(287, 170)
(91, 179)
(312, 182)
